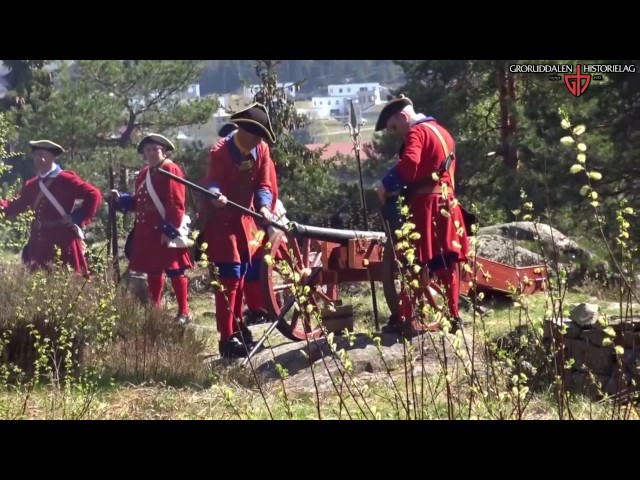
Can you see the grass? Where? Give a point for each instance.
(231, 402)
(148, 371)
(151, 373)
(174, 384)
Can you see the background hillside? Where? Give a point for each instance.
(225, 76)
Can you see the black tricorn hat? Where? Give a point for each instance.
(255, 119)
(46, 145)
(227, 128)
(158, 139)
(392, 107)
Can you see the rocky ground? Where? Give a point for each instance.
(367, 359)
(359, 355)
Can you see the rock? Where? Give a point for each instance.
(314, 365)
(584, 314)
(631, 340)
(597, 337)
(624, 324)
(611, 357)
(551, 238)
(552, 328)
(499, 249)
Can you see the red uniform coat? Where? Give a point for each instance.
(421, 157)
(229, 233)
(274, 184)
(261, 251)
(47, 231)
(148, 253)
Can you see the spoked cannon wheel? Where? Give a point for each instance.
(290, 255)
(391, 282)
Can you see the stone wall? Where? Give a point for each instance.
(607, 353)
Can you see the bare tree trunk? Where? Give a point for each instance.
(507, 97)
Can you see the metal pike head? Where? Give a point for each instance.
(353, 125)
(352, 115)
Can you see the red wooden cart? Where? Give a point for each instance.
(336, 257)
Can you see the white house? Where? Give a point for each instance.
(328, 107)
(367, 91)
(336, 104)
(290, 88)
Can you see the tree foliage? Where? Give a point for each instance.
(28, 83)
(111, 102)
(507, 130)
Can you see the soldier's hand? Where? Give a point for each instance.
(219, 202)
(266, 215)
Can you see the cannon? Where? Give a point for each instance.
(334, 234)
(346, 256)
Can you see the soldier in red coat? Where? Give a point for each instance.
(155, 247)
(52, 194)
(239, 170)
(252, 287)
(203, 202)
(439, 220)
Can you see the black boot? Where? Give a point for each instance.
(232, 348)
(394, 325)
(456, 324)
(239, 344)
(184, 320)
(247, 337)
(256, 318)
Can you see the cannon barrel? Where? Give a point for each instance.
(333, 234)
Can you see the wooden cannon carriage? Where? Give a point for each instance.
(337, 257)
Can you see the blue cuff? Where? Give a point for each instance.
(392, 181)
(232, 270)
(125, 204)
(77, 216)
(264, 198)
(214, 187)
(169, 230)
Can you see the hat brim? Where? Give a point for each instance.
(47, 145)
(158, 140)
(389, 110)
(257, 129)
(255, 119)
